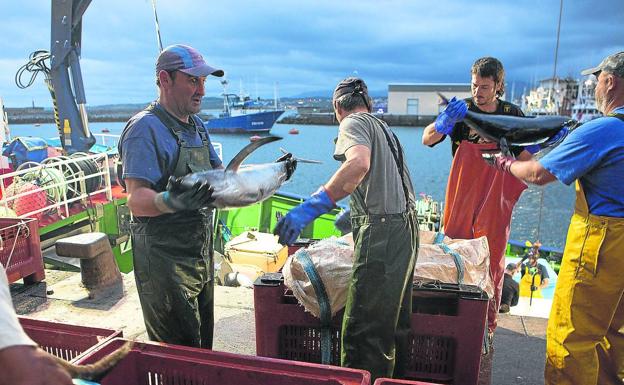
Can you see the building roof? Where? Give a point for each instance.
(429, 87)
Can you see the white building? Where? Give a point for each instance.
(422, 98)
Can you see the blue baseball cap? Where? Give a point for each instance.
(186, 59)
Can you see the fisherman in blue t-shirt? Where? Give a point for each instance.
(171, 229)
(585, 338)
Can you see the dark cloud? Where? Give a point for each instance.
(308, 46)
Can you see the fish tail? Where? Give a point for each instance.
(97, 370)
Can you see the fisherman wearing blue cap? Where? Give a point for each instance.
(172, 229)
(585, 335)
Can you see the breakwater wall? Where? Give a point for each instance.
(302, 119)
(328, 120)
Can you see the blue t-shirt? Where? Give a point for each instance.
(594, 154)
(150, 151)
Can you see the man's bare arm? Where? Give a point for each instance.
(430, 135)
(531, 171)
(350, 174)
(141, 198)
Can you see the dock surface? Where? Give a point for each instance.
(519, 343)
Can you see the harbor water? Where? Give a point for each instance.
(542, 213)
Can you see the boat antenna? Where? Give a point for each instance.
(160, 45)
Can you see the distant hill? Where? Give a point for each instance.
(207, 103)
(328, 94)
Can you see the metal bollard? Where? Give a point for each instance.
(100, 273)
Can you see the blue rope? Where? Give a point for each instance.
(323, 301)
(459, 264)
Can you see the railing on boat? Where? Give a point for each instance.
(76, 178)
(111, 140)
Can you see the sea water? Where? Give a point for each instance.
(546, 210)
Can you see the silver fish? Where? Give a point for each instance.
(239, 186)
(515, 130)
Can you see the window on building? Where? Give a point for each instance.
(412, 106)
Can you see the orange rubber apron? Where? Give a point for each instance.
(479, 201)
(585, 335)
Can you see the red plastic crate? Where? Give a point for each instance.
(20, 250)
(164, 364)
(448, 326)
(64, 340)
(390, 381)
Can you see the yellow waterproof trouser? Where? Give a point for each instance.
(585, 336)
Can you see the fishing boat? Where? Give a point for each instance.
(242, 115)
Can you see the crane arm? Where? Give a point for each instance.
(65, 80)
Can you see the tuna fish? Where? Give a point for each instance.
(515, 130)
(239, 186)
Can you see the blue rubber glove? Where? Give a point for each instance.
(289, 227)
(533, 148)
(558, 137)
(453, 113)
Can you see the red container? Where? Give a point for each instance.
(284, 329)
(164, 364)
(448, 326)
(64, 340)
(390, 381)
(20, 250)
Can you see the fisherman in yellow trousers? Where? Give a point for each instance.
(534, 275)
(585, 336)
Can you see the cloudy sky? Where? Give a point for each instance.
(307, 46)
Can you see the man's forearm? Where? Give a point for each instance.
(430, 135)
(141, 200)
(531, 171)
(346, 179)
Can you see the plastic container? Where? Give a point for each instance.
(448, 325)
(159, 363)
(20, 250)
(257, 249)
(284, 329)
(64, 340)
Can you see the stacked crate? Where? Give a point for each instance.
(20, 250)
(64, 340)
(448, 325)
(159, 363)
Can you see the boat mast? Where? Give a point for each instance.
(5, 135)
(226, 101)
(555, 80)
(160, 45)
(539, 222)
(275, 96)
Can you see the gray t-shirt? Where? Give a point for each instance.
(381, 189)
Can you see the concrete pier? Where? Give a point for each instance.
(519, 343)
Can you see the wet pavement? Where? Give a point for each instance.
(517, 358)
